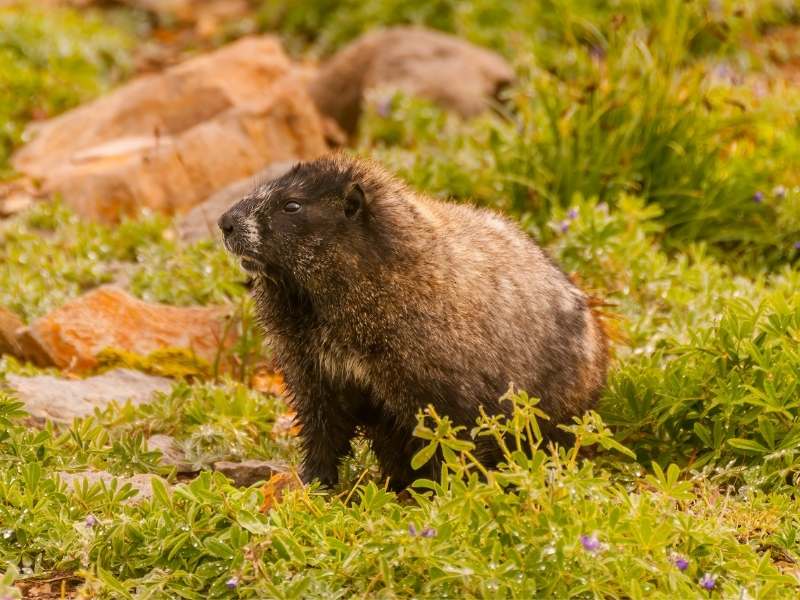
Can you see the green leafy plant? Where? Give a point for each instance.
(52, 59)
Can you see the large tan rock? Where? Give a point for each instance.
(60, 400)
(164, 142)
(417, 61)
(10, 323)
(72, 336)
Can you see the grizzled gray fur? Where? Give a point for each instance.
(378, 301)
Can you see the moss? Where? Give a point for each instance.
(178, 363)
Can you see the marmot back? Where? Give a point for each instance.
(379, 301)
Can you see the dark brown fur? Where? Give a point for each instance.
(379, 301)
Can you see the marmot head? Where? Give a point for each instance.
(320, 216)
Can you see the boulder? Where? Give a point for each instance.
(416, 61)
(16, 197)
(248, 472)
(72, 336)
(162, 142)
(201, 221)
(60, 400)
(10, 324)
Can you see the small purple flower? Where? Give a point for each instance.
(91, 521)
(708, 581)
(412, 530)
(797, 245)
(563, 226)
(232, 583)
(428, 532)
(572, 214)
(590, 543)
(597, 52)
(680, 562)
(384, 107)
(758, 197)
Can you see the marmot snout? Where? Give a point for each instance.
(379, 301)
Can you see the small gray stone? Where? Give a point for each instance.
(63, 400)
(248, 472)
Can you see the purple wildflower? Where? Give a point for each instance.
(797, 245)
(384, 107)
(232, 583)
(91, 521)
(572, 214)
(412, 530)
(563, 226)
(758, 197)
(680, 562)
(428, 532)
(590, 543)
(597, 52)
(708, 581)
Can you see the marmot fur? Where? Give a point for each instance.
(379, 301)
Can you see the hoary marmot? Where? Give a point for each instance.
(378, 301)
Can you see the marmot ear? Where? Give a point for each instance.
(354, 201)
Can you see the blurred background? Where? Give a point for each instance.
(689, 106)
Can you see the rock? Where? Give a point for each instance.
(163, 141)
(10, 324)
(141, 483)
(32, 350)
(60, 400)
(16, 196)
(248, 472)
(172, 455)
(73, 335)
(417, 61)
(201, 221)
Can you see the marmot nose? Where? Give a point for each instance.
(226, 223)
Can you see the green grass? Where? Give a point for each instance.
(144, 254)
(552, 25)
(50, 60)
(638, 166)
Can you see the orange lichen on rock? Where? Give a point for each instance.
(72, 337)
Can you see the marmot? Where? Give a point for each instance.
(379, 301)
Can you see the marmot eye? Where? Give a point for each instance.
(291, 207)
